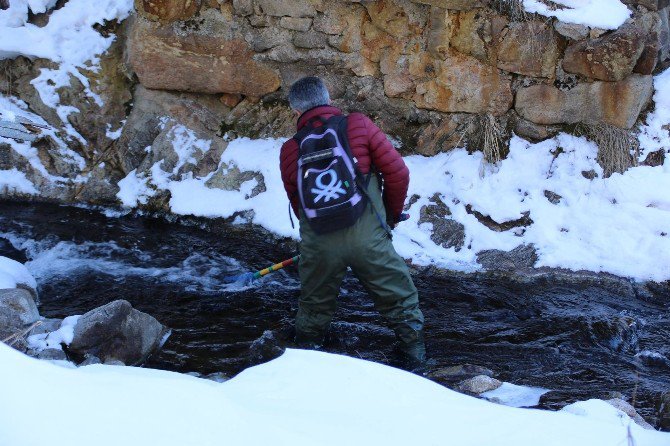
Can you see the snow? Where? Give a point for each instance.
(303, 397)
(13, 273)
(604, 14)
(515, 396)
(13, 181)
(54, 339)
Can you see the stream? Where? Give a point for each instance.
(581, 340)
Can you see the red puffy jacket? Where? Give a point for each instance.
(368, 145)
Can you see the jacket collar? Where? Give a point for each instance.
(322, 110)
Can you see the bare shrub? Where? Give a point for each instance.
(618, 149)
(511, 8)
(486, 134)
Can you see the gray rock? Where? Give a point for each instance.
(571, 30)
(521, 257)
(460, 371)
(292, 8)
(310, 40)
(629, 410)
(51, 354)
(117, 331)
(47, 325)
(478, 384)
(295, 24)
(114, 361)
(17, 312)
(447, 232)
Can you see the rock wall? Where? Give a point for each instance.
(424, 69)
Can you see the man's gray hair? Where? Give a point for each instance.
(307, 93)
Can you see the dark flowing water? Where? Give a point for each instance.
(581, 340)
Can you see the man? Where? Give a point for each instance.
(365, 246)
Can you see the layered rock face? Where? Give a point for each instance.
(422, 68)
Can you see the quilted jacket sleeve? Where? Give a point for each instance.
(386, 159)
(288, 165)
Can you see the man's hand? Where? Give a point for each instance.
(402, 217)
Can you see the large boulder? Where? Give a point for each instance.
(117, 331)
(210, 58)
(167, 10)
(456, 5)
(616, 103)
(609, 58)
(529, 48)
(17, 312)
(464, 84)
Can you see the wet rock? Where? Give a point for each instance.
(520, 258)
(629, 410)
(90, 360)
(17, 312)
(493, 225)
(553, 197)
(265, 348)
(446, 232)
(117, 331)
(663, 412)
(619, 334)
(608, 58)
(51, 354)
(536, 56)
(460, 371)
(218, 377)
(655, 159)
(589, 174)
(167, 10)
(616, 103)
(478, 384)
(211, 59)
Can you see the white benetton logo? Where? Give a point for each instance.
(331, 191)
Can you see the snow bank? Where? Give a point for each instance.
(301, 398)
(55, 339)
(13, 273)
(13, 181)
(618, 225)
(605, 14)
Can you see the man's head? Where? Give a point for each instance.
(307, 93)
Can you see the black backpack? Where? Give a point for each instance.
(331, 189)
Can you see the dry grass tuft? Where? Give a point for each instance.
(513, 9)
(618, 149)
(486, 134)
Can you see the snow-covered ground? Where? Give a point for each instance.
(301, 398)
(619, 225)
(605, 14)
(13, 273)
